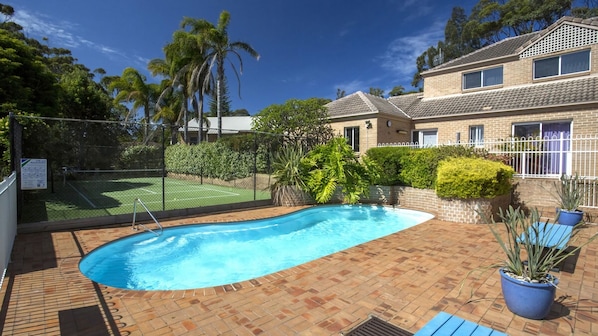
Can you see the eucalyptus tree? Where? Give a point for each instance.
(218, 49)
(131, 87)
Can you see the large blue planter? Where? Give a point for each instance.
(530, 300)
(569, 217)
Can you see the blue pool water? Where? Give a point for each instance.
(205, 255)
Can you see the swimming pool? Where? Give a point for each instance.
(205, 255)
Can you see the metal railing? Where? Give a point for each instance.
(541, 157)
(135, 227)
(537, 157)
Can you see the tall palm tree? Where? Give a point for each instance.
(184, 57)
(219, 47)
(132, 88)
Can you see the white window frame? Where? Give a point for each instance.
(352, 136)
(481, 72)
(476, 135)
(422, 137)
(560, 64)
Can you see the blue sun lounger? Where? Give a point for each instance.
(446, 324)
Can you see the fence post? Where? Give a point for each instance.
(163, 172)
(254, 166)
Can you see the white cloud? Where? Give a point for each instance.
(399, 58)
(59, 33)
(350, 87)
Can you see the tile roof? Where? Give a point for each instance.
(512, 46)
(360, 103)
(563, 92)
(503, 48)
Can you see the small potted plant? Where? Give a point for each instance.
(533, 249)
(569, 195)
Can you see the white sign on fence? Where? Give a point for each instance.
(34, 174)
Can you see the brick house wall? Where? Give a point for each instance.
(379, 133)
(518, 71)
(499, 125)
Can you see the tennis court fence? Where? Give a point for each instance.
(92, 171)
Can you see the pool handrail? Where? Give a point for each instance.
(134, 227)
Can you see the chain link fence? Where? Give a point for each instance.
(81, 169)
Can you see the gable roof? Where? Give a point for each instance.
(510, 47)
(360, 103)
(550, 94)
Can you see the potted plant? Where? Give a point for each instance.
(533, 249)
(569, 195)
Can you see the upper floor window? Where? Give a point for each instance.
(482, 78)
(352, 136)
(562, 64)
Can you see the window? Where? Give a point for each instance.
(562, 65)
(542, 148)
(483, 78)
(476, 135)
(352, 136)
(427, 138)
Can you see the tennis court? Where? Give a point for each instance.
(93, 193)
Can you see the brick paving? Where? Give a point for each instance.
(404, 278)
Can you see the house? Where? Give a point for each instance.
(230, 126)
(539, 84)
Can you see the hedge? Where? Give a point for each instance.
(473, 178)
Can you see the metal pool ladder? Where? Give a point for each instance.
(137, 200)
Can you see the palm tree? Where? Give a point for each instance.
(131, 87)
(218, 48)
(184, 57)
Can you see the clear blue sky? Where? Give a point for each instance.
(308, 48)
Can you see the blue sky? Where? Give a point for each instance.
(308, 48)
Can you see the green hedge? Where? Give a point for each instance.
(419, 167)
(473, 178)
(215, 160)
(389, 160)
(141, 157)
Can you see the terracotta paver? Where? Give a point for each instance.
(404, 278)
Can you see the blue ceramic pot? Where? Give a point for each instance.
(529, 300)
(569, 217)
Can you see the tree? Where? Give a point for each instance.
(188, 55)
(335, 164)
(340, 93)
(303, 122)
(132, 88)
(240, 112)
(224, 102)
(396, 91)
(377, 92)
(27, 83)
(219, 47)
(491, 21)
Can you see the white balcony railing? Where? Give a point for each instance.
(548, 157)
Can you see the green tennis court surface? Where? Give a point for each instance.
(71, 199)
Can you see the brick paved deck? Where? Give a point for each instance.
(404, 278)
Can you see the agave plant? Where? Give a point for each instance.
(568, 192)
(529, 255)
(290, 173)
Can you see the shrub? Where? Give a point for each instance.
(141, 157)
(473, 178)
(419, 167)
(215, 160)
(389, 159)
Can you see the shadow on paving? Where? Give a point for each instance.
(77, 321)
